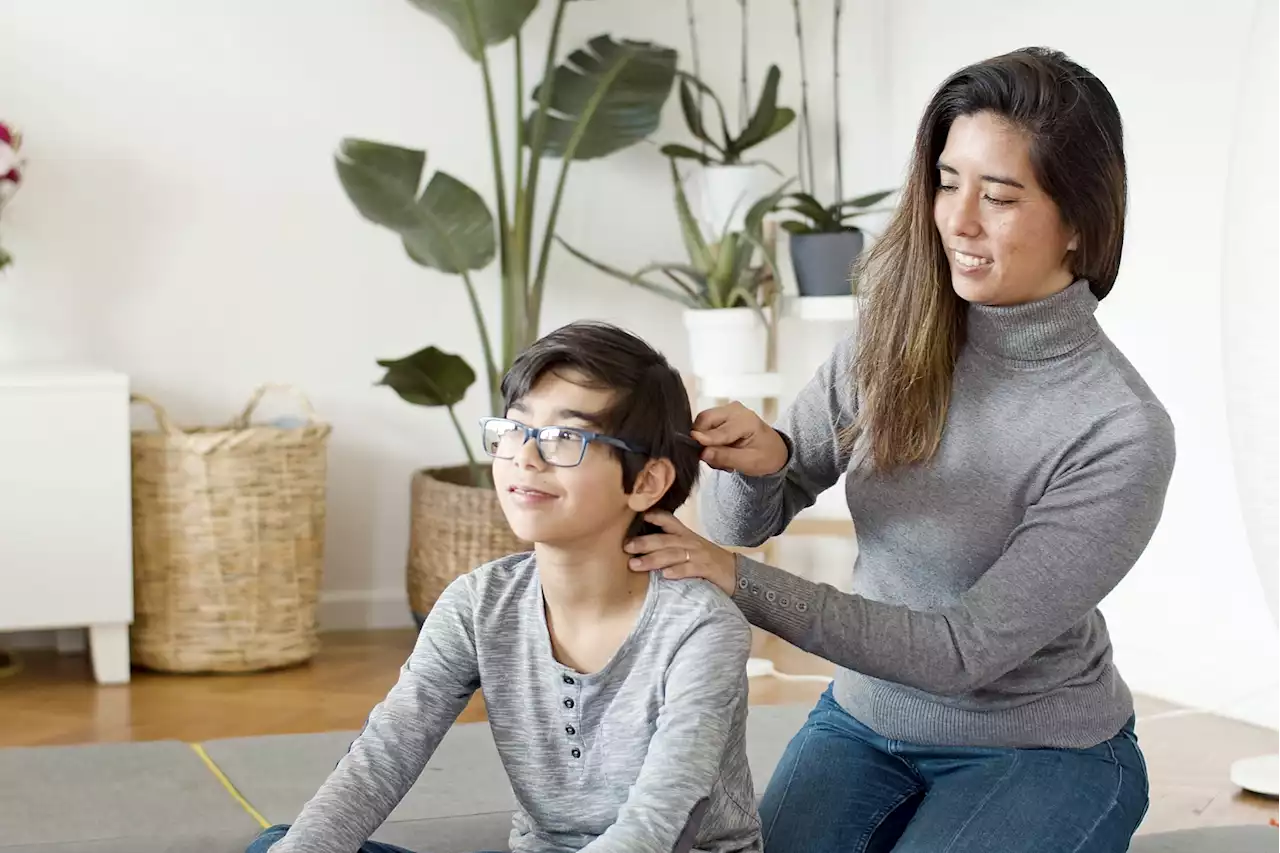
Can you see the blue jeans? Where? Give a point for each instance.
(270, 836)
(841, 787)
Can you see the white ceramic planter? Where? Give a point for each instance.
(724, 195)
(726, 341)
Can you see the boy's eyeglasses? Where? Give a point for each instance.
(563, 447)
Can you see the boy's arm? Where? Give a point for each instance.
(704, 684)
(400, 735)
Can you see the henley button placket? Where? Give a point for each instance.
(570, 694)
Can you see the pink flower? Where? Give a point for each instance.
(6, 136)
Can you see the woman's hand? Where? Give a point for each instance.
(678, 552)
(737, 439)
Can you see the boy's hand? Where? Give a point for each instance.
(680, 553)
(737, 439)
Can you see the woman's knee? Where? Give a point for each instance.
(267, 837)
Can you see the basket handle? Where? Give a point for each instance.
(162, 417)
(242, 420)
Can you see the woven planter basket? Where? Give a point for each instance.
(228, 542)
(455, 527)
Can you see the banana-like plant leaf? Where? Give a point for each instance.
(429, 377)
(808, 206)
(684, 152)
(606, 97)
(494, 22)
(448, 227)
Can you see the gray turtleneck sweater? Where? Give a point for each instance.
(974, 613)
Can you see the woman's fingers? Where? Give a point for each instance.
(662, 559)
(650, 543)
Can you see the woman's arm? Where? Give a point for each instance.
(400, 735)
(742, 510)
(705, 683)
(1070, 550)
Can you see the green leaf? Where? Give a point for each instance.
(808, 206)
(635, 279)
(684, 152)
(866, 200)
(767, 119)
(495, 20)
(793, 227)
(690, 231)
(692, 117)
(429, 377)
(448, 227)
(689, 79)
(606, 97)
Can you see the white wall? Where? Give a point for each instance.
(182, 222)
(1189, 623)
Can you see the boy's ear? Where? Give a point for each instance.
(651, 484)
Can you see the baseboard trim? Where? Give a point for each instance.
(364, 609)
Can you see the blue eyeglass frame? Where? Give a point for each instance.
(587, 438)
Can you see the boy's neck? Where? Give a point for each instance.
(589, 581)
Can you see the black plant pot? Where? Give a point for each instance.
(823, 262)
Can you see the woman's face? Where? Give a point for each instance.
(1005, 240)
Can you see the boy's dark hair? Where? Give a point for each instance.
(650, 408)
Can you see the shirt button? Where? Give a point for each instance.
(568, 703)
(742, 584)
(576, 753)
(568, 680)
(802, 607)
(770, 596)
(570, 730)
(784, 601)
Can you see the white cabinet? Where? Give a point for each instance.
(66, 543)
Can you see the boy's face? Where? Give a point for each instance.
(562, 506)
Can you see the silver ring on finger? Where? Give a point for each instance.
(686, 555)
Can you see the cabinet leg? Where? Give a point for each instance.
(109, 649)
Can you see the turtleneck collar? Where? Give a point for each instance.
(1036, 331)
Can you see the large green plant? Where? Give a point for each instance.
(606, 96)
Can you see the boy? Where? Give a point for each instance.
(617, 699)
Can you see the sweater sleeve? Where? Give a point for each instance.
(402, 732)
(746, 511)
(705, 683)
(1070, 550)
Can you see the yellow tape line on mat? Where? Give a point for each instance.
(226, 783)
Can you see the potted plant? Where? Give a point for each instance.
(727, 185)
(824, 241)
(606, 96)
(724, 286)
(10, 174)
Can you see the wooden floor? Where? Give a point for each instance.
(53, 700)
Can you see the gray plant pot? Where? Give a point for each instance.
(823, 263)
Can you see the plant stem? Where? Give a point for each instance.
(835, 64)
(806, 135)
(490, 368)
(744, 95)
(697, 62)
(531, 292)
(566, 160)
(495, 152)
(519, 186)
(477, 476)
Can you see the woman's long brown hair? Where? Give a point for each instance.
(912, 323)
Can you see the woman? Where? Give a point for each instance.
(1006, 466)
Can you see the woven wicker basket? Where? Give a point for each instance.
(228, 542)
(455, 528)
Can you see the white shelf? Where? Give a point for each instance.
(829, 309)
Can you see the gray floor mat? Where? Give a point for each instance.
(111, 791)
(279, 774)
(227, 842)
